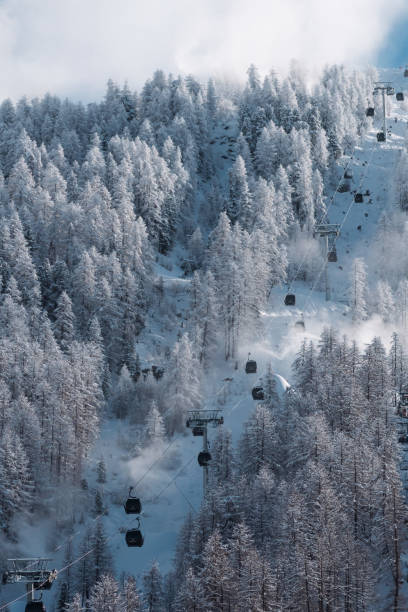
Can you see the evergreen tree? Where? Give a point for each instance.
(63, 326)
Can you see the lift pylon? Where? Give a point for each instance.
(200, 419)
(327, 231)
(385, 88)
(35, 573)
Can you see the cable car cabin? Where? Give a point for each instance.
(403, 439)
(332, 256)
(198, 431)
(300, 325)
(403, 411)
(358, 198)
(348, 174)
(404, 398)
(35, 606)
(250, 367)
(290, 299)
(133, 505)
(204, 458)
(406, 72)
(380, 137)
(134, 538)
(343, 187)
(400, 96)
(370, 112)
(258, 393)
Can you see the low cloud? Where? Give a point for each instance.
(72, 48)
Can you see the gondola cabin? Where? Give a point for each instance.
(332, 256)
(290, 299)
(135, 538)
(370, 111)
(406, 72)
(380, 137)
(133, 505)
(35, 606)
(358, 198)
(400, 96)
(343, 187)
(403, 405)
(198, 431)
(403, 439)
(300, 325)
(258, 393)
(348, 174)
(204, 458)
(250, 366)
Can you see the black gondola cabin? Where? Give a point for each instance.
(258, 393)
(290, 299)
(380, 137)
(204, 458)
(134, 537)
(358, 198)
(198, 431)
(133, 505)
(370, 111)
(250, 367)
(35, 606)
(400, 96)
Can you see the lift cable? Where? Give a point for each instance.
(363, 176)
(109, 538)
(325, 213)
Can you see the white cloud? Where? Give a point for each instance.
(72, 47)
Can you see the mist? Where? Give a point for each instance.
(72, 48)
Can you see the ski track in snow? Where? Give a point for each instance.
(278, 344)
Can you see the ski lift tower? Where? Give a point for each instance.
(198, 421)
(327, 231)
(35, 573)
(386, 88)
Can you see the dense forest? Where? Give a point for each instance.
(307, 513)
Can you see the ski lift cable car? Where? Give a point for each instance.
(370, 111)
(35, 606)
(290, 299)
(400, 96)
(258, 393)
(380, 137)
(134, 537)
(250, 366)
(204, 458)
(132, 504)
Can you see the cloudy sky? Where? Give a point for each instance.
(71, 47)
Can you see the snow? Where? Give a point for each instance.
(168, 478)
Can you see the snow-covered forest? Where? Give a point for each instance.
(147, 243)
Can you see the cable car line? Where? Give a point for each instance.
(324, 214)
(109, 538)
(353, 201)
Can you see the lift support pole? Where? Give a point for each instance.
(201, 419)
(205, 467)
(324, 231)
(386, 88)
